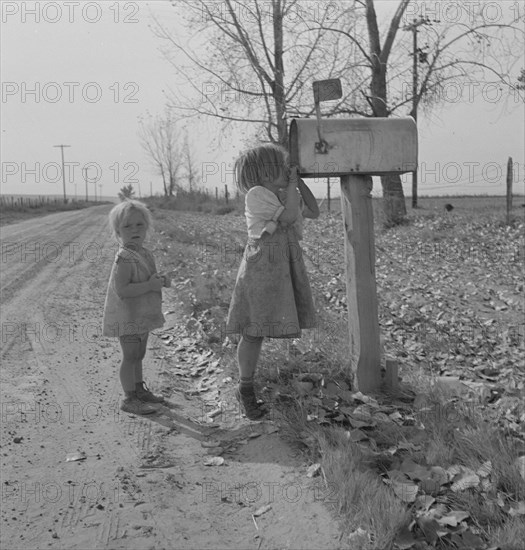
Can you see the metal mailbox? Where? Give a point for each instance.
(336, 147)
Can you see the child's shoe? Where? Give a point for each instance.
(246, 397)
(132, 404)
(145, 395)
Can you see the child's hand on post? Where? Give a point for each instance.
(155, 282)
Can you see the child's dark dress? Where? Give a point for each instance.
(272, 296)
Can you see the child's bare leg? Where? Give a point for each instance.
(141, 354)
(130, 358)
(140, 388)
(133, 350)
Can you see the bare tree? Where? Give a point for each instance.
(126, 192)
(469, 51)
(191, 171)
(158, 137)
(259, 54)
(520, 84)
(248, 60)
(394, 200)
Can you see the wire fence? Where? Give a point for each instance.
(28, 202)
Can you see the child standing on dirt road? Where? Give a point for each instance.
(133, 304)
(272, 296)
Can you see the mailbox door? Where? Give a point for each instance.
(373, 146)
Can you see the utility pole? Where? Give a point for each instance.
(63, 171)
(84, 171)
(415, 53)
(509, 189)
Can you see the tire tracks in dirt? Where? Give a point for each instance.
(48, 324)
(142, 483)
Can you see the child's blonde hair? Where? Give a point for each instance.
(120, 212)
(262, 163)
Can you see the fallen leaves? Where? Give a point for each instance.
(402, 486)
(425, 488)
(451, 301)
(464, 479)
(450, 307)
(262, 510)
(313, 470)
(214, 461)
(76, 456)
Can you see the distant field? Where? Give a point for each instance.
(432, 206)
(15, 208)
(438, 203)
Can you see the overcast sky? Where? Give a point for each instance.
(80, 74)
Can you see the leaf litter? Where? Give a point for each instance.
(445, 315)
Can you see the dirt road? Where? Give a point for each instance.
(142, 482)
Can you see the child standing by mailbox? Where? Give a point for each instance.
(272, 296)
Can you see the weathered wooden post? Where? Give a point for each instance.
(355, 149)
(509, 190)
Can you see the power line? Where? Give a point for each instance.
(63, 171)
(413, 27)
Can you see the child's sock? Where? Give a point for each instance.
(245, 384)
(129, 394)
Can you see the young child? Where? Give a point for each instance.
(272, 296)
(133, 301)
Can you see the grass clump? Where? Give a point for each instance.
(361, 498)
(438, 433)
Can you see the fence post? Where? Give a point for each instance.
(509, 189)
(226, 193)
(216, 194)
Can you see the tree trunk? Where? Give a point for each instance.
(278, 85)
(394, 206)
(162, 173)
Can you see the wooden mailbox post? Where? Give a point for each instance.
(355, 149)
